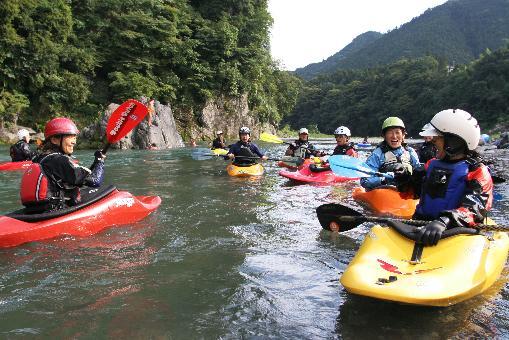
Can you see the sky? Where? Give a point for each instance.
(309, 31)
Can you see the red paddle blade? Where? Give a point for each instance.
(124, 119)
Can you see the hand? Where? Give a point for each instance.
(99, 156)
(264, 158)
(400, 172)
(388, 175)
(230, 156)
(432, 232)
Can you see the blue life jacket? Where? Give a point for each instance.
(443, 187)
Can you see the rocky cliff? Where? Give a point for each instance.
(225, 114)
(163, 131)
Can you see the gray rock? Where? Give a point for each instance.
(163, 131)
(228, 115)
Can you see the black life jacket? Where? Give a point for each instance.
(342, 149)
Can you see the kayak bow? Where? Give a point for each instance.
(112, 208)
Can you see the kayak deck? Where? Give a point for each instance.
(458, 268)
(245, 171)
(386, 201)
(117, 208)
(14, 166)
(305, 175)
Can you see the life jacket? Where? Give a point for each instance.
(443, 188)
(343, 149)
(35, 185)
(245, 151)
(303, 149)
(391, 160)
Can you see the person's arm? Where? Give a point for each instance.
(374, 162)
(476, 202)
(290, 151)
(414, 158)
(352, 153)
(96, 177)
(257, 150)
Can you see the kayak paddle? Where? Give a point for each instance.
(129, 114)
(338, 164)
(347, 218)
(267, 137)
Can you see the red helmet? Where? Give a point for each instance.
(60, 126)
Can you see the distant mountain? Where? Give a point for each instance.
(457, 31)
(331, 64)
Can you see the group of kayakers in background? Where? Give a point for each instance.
(454, 186)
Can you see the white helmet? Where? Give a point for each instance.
(219, 132)
(23, 133)
(303, 130)
(244, 130)
(342, 130)
(456, 122)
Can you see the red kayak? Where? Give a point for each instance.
(101, 208)
(12, 166)
(323, 176)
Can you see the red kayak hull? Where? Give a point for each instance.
(117, 208)
(13, 166)
(305, 175)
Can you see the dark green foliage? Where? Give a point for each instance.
(412, 89)
(72, 57)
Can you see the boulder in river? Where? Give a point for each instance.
(163, 131)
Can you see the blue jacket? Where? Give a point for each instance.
(377, 159)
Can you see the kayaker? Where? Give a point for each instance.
(458, 189)
(302, 147)
(427, 150)
(244, 152)
(392, 156)
(53, 181)
(219, 143)
(344, 147)
(21, 150)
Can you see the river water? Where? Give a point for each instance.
(222, 258)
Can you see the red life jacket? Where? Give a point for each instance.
(35, 185)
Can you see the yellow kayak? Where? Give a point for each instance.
(219, 152)
(389, 267)
(244, 171)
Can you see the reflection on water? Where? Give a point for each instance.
(222, 258)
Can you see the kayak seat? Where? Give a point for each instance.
(88, 196)
(315, 168)
(410, 231)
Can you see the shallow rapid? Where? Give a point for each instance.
(222, 257)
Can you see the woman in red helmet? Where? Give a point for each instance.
(53, 181)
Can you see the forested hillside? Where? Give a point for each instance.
(331, 64)
(412, 89)
(457, 31)
(72, 57)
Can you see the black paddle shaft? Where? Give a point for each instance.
(347, 218)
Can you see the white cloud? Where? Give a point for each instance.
(308, 31)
